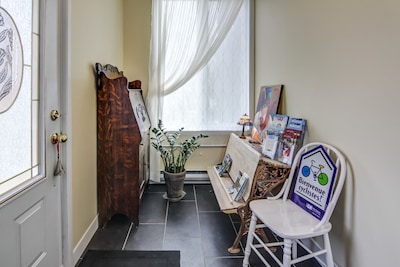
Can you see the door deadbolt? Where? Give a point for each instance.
(54, 114)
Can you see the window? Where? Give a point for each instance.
(217, 96)
(19, 139)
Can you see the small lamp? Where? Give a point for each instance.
(244, 121)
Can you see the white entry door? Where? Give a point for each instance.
(30, 88)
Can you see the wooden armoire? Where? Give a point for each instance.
(121, 160)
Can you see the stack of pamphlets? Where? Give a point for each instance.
(239, 187)
(275, 127)
(225, 165)
(291, 140)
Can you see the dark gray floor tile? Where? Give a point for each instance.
(118, 222)
(224, 262)
(190, 248)
(308, 263)
(217, 233)
(106, 241)
(206, 199)
(182, 220)
(235, 218)
(112, 235)
(188, 188)
(153, 208)
(194, 225)
(155, 188)
(146, 237)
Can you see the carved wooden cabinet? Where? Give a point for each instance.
(121, 165)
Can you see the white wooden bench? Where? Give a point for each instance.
(264, 175)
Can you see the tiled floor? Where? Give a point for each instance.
(194, 225)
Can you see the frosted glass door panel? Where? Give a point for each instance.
(20, 155)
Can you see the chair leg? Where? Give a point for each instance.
(287, 252)
(249, 241)
(294, 249)
(329, 256)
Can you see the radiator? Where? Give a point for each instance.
(193, 177)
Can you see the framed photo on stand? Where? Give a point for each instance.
(268, 104)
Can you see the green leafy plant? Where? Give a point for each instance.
(174, 154)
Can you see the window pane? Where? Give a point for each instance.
(19, 131)
(15, 135)
(218, 95)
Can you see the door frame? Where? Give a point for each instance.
(66, 181)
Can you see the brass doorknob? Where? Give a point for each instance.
(58, 138)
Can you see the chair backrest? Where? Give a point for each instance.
(316, 180)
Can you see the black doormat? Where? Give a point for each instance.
(131, 258)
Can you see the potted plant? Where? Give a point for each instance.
(174, 155)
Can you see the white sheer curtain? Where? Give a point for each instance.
(184, 36)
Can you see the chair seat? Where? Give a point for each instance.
(287, 219)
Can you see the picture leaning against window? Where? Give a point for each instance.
(219, 93)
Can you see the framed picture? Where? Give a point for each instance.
(268, 104)
(140, 111)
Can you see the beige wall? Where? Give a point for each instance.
(99, 33)
(137, 23)
(96, 36)
(339, 62)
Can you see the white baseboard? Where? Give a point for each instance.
(84, 241)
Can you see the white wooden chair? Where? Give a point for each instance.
(309, 198)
